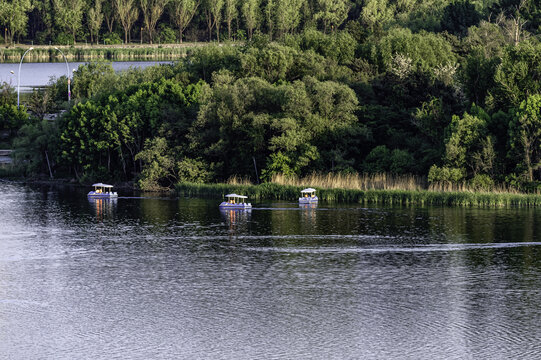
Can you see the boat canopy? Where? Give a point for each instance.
(308, 190)
(102, 185)
(237, 196)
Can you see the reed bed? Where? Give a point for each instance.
(365, 189)
(46, 54)
(355, 181)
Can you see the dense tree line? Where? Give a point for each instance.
(455, 97)
(153, 21)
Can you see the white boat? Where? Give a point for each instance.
(308, 196)
(235, 201)
(102, 191)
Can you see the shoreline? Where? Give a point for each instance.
(273, 191)
(86, 52)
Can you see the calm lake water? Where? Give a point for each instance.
(176, 278)
(39, 74)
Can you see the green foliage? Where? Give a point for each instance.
(458, 16)
(339, 46)
(382, 160)
(12, 118)
(517, 76)
(7, 94)
(91, 79)
(445, 174)
(158, 166)
(35, 142)
(112, 39)
(107, 132)
(426, 50)
(525, 134)
(166, 35)
(193, 170)
(285, 127)
(481, 182)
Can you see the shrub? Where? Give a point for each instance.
(446, 174)
(481, 182)
(112, 39)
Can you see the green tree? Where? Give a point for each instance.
(92, 79)
(525, 134)
(376, 13)
(250, 13)
(517, 77)
(287, 15)
(213, 14)
(230, 14)
(332, 13)
(270, 17)
(127, 14)
(182, 12)
(34, 148)
(95, 20)
(158, 170)
(12, 118)
(458, 16)
(152, 11)
(13, 15)
(69, 15)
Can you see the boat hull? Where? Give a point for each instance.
(226, 205)
(95, 195)
(308, 200)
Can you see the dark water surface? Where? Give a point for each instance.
(176, 278)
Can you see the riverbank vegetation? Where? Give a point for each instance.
(95, 53)
(373, 194)
(450, 102)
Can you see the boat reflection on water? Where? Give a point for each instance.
(236, 219)
(104, 208)
(308, 217)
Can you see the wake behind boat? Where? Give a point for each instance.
(102, 191)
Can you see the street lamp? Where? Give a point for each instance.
(67, 73)
(19, 75)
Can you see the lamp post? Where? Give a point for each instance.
(19, 76)
(67, 73)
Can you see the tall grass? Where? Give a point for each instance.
(365, 189)
(355, 181)
(46, 54)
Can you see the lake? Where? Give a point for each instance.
(163, 278)
(39, 74)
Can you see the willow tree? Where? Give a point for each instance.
(152, 11)
(127, 14)
(182, 12)
(95, 19)
(69, 15)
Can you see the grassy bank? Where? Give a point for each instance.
(273, 191)
(97, 52)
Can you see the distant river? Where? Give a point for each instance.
(160, 278)
(40, 74)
